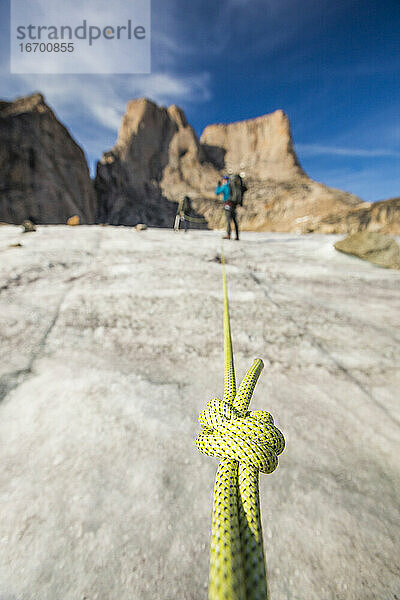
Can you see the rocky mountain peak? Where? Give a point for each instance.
(44, 176)
(24, 104)
(158, 159)
(262, 147)
(142, 115)
(153, 139)
(177, 115)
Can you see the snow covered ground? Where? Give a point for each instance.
(111, 344)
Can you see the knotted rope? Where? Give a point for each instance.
(247, 442)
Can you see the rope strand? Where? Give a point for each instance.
(247, 442)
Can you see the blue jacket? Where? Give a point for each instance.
(224, 189)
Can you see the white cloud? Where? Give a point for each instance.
(92, 106)
(108, 116)
(371, 183)
(318, 150)
(109, 56)
(104, 99)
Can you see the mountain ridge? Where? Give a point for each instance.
(280, 192)
(156, 160)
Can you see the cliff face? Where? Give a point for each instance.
(381, 217)
(154, 162)
(43, 172)
(280, 195)
(261, 147)
(158, 159)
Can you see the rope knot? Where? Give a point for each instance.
(248, 442)
(251, 438)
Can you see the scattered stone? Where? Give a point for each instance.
(28, 226)
(73, 221)
(377, 248)
(141, 227)
(17, 245)
(216, 258)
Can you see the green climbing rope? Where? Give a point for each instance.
(195, 219)
(247, 442)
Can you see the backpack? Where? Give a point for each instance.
(187, 205)
(238, 189)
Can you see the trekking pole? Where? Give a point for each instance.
(247, 442)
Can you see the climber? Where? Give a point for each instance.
(230, 208)
(184, 208)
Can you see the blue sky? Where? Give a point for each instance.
(332, 66)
